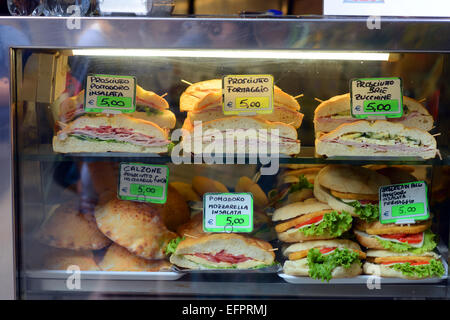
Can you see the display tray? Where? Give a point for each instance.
(363, 279)
(272, 269)
(106, 275)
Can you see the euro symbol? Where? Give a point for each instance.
(358, 108)
(229, 104)
(210, 221)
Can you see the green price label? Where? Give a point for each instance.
(145, 190)
(114, 102)
(231, 220)
(408, 209)
(380, 106)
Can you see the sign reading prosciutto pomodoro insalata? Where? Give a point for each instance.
(228, 212)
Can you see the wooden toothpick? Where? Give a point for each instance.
(187, 82)
(299, 96)
(317, 99)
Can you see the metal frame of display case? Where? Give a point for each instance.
(287, 33)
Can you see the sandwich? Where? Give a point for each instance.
(149, 106)
(331, 113)
(245, 184)
(310, 220)
(376, 139)
(406, 265)
(240, 135)
(324, 259)
(416, 238)
(204, 102)
(350, 188)
(136, 226)
(222, 251)
(175, 211)
(202, 185)
(118, 133)
(186, 190)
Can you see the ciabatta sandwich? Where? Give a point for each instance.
(222, 251)
(324, 259)
(118, 133)
(310, 220)
(415, 238)
(241, 135)
(333, 112)
(376, 139)
(405, 265)
(149, 106)
(350, 188)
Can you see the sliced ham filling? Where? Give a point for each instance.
(259, 139)
(143, 102)
(381, 148)
(107, 133)
(223, 256)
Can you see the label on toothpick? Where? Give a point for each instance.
(110, 94)
(247, 94)
(404, 203)
(228, 212)
(376, 98)
(143, 182)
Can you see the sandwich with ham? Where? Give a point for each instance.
(376, 139)
(352, 189)
(204, 102)
(149, 107)
(331, 113)
(244, 134)
(118, 133)
(324, 259)
(221, 251)
(416, 238)
(406, 265)
(310, 220)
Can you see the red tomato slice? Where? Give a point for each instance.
(405, 238)
(310, 221)
(222, 256)
(412, 262)
(365, 202)
(326, 250)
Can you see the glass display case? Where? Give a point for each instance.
(66, 233)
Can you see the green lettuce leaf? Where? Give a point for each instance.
(369, 212)
(321, 266)
(91, 139)
(334, 223)
(435, 268)
(428, 244)
(148, 110)
(172, 245)
(302, 183)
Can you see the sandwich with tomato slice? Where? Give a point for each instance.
(310, 220)
(149, 106)
(203, 101)
(350, 188)
(221, 251)
(416, 238)
(324, 259)
(118, 133)
(406, 265)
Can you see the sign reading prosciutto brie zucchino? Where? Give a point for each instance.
(404, 203)
(228, 212)
(376, 97)
(247, 94)
(110, 94)
(143, 182)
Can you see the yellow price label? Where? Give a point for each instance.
(253, 104)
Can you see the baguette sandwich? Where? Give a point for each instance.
(324, 259)
(310, 220)
(379, 138)
(331, 113)
(350, 188)
(243, 134)
(222, 251)
(117, 133)
(405, 265)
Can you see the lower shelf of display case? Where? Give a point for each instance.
(235, 286)
(306, 156)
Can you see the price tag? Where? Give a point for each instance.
(110, 94)
(247, 94)
(143, 182)
(376, 97)
(404, 203)
(228, 212)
